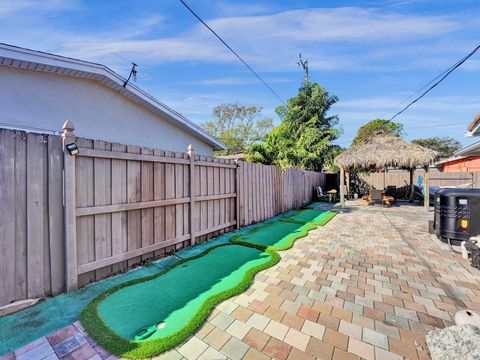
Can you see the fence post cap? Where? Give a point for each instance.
(68, 127)
(190, 150)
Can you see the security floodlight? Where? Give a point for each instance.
(72, 149)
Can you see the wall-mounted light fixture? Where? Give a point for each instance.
(72, 149)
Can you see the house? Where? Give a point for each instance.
(459, 163)
(41, 90)
(466, 159)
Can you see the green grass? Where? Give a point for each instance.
(191, 312)
(275, 237)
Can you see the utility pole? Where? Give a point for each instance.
(304, 65)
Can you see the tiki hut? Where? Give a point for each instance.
(382, 151)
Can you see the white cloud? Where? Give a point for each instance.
(392, 104)
(269, 42)
(227, 81)
(18, 7)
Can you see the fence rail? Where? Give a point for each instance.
(437, 178)
(68, 220)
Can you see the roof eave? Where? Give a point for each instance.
(467, 150)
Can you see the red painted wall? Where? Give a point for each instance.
(470, 164)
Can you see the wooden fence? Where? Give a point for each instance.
(266, 191)
(31, 216)
(69, 220)
(437, 178)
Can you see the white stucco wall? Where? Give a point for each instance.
(43, 100)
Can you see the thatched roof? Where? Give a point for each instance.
(385, 150)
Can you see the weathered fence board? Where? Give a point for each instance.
(266, 191)
(68, 220)
(31, 216)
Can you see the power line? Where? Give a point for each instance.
(430, 82)
(414, 127)
(233, 51)
(452, 69)
(441, 77)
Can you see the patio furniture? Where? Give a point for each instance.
(332, 195)
(378, 197)
(320, 194)
(349, 195)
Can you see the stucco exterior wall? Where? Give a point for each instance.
(470, 164)
(42, 100)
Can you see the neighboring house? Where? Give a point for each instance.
(41, 90)
(460, 163)
(466, 159)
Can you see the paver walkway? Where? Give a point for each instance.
(370, 284)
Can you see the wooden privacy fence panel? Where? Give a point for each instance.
(31, 216)
(437, 178)
(133, 204)
(266, 191)
(68, 220)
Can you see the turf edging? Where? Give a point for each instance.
(330, 215)
(306, 228)
(98, 330)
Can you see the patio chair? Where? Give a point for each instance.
(320, 194)
(378, 197)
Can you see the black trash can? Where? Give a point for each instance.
(457, 214)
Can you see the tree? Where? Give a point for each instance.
(332, 154)
(237, 126)
(375, 126)
(446, 146)
(303, 138)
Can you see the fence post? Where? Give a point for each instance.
(237, 190)
(69, 208)
(191, 155)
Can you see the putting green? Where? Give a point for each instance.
(277, 236)
(173, 304)
(145, 317)
(317, 217)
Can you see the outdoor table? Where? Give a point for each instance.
(332, 195)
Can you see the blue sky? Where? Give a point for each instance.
(371, 54)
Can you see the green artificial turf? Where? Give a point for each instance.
(181, 296)
(316, 204)
(276, 236)
(317, 217)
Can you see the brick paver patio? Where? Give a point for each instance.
(370, 284)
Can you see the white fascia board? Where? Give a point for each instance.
(468, 150)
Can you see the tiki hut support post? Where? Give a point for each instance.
(347, 179)
(342, 183)
(426, 189)
(411, 184)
